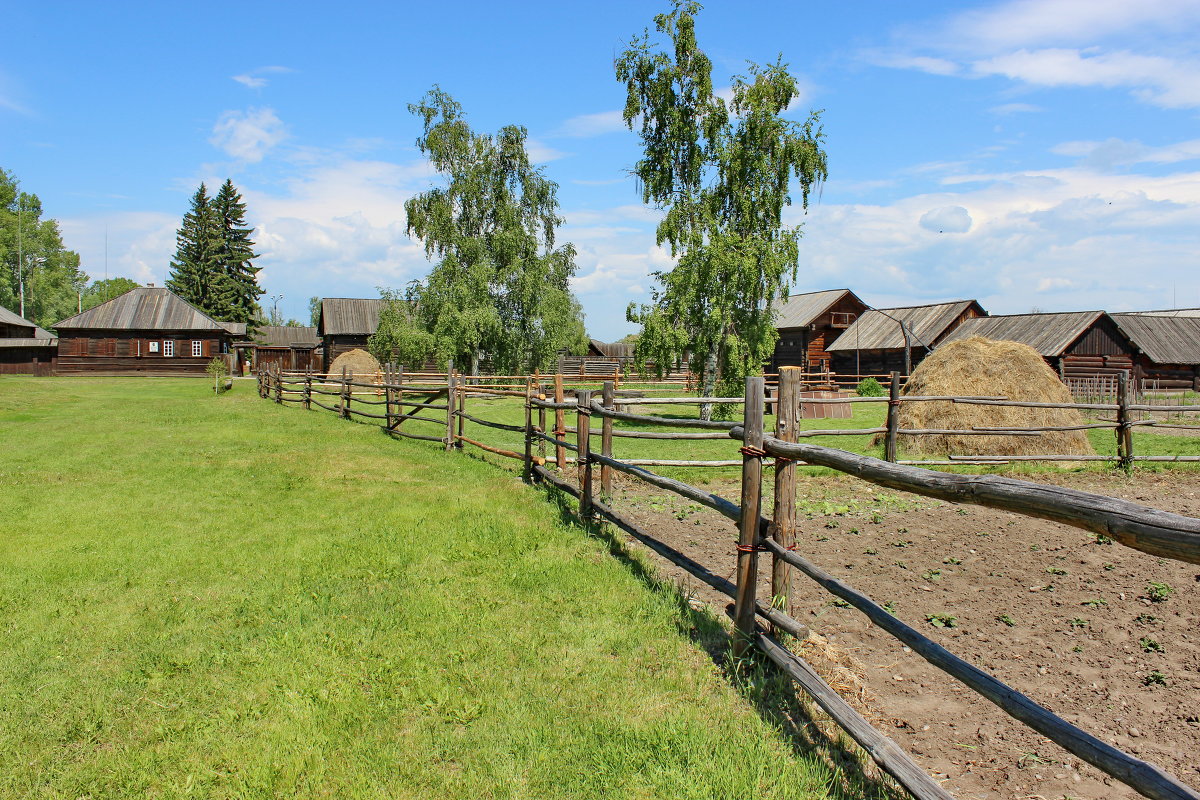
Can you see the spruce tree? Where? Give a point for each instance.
(196, 244)
(237, 286)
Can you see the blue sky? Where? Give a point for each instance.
(1031, 154)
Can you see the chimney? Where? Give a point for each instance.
(150, 285)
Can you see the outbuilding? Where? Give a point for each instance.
(884, 340)
(808, 323)
(146, 331)
(345, 324)
(1168, 347)
(25, 349)
(291, 347)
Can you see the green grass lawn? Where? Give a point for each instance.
(219, 597)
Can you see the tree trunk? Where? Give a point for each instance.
(475, 363)
(708, 387)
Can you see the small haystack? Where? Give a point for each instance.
(981, 367)
(357, 362)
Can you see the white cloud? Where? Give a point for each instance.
(588, 125)
(541, 153)
(1114, 152)
(1015, 108)
(140, 244)
(947, 219)
(248, 135)
(257, 78)
(1024, 22)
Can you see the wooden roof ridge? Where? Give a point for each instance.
(129, 311)
(1050, 333)
(809, 306)
(10, 317)
(878, 328)
(1164, 339)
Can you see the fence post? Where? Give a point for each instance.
(747, 549)
(606, 436)
(399, 395)
(541, 395)
(462, 409)
(583, 458)
(387, 395)
(308, 391)
(1124, 429)
(560, 424)
(893, 418)
(346, 376)
(450, 406)
(529, 430)
(783, 517)
(278, 385)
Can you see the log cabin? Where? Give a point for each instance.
(1168, 346)
(293, 348)
(808, 323)
(145, 331)
(876, 342)
(345, 324)
(1079, 345)
(25, 349)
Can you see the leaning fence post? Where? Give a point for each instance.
(450, 406)
(308, 391)
(893, 418)
(583, 457)
(606, 437)
(560, 423)
(1124, 428)
(747, 549)
(529, 430)
(783, 517)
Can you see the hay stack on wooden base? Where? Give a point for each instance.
(981, 367)
(360, 363)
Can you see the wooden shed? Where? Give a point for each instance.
(25, 349)
(808, 323)
(345, 324)
(876, 342)
(146, 331)
(1168, 348)
(289, 346)
(1078, 344)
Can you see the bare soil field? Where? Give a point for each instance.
(1105, 636)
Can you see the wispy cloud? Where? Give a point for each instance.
(257, 78)
(589, 125)
(248, 135)
(1015, 108)
(1121, 152)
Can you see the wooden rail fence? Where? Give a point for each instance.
(758, 625)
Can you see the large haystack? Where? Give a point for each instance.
(981, 367)
(358, 362)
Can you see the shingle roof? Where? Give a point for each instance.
(1164, 339)
(1170, 312)
(236, 328)
(12, 318)
(879, 329)
(612, 349)
(1049, 334)
(10, 343)
(349, 316)
(286, 336)
(801, 309)
(143, 308)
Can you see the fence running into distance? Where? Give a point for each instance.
(758, 623)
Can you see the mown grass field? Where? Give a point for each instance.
(218, 597)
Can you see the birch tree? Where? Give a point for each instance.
(722, 174)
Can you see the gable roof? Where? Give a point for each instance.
(611, 349)
(286, 336)
(801, 309)
(12, 318)
(1170, 312)
(144, 308)
(879, 328)
(1164, 339)
(1049, 334)
(349, 316)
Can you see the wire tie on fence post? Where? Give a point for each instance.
(753, 452)
(751, 548)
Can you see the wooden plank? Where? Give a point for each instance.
(893, 418)
(715, 502)
(1145, 778)
(583, 422)
(559, 419)
(783, 517)
(668, 421)
(1159, 533)
(747, 554)
(450, 406)
(606, 437)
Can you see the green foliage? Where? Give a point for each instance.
(102, 291)
(500, 286)
(32, 256)
(213, 267)
(314, 311)
(942, 620)
(218, 369)
(1149, 645)
(400, 337)
(1158, 592)
(869, 387)
(1006, 619)
(1155, 678)
(723, 175)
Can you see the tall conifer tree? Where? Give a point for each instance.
(234, 262)
(196, 243)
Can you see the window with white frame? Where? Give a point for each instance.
(168, 347)
(153, 347)
(197, 348)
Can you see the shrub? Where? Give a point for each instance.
(869, 387)
(218, 369)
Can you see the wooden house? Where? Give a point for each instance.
(146, 331)
(808, 323)
(1168, 345)
(1078, 344)
(876, 342)
(291, 347)
(25, 349)
(345, 324)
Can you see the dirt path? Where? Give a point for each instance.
(1070, 621)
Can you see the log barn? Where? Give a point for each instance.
(808, 323)
(146, 331)
(292, 347)
(345, 324)
(1078, 344)
(25, 349)
(1168, 348)
(875, 343)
